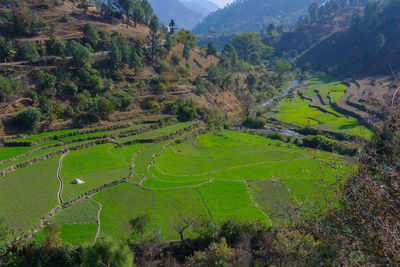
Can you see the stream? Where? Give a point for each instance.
(285, 93)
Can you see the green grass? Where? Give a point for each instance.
(79, 136)
(122, 203)
(10, 152)
(298, 111)
(230, 199)
(29, 193)
(153, 134)
(83, 212)
(241, 160)
(73, 234)
(94, 165)
(31, 156)
(126, 152)
(78, 223)
(44, 135)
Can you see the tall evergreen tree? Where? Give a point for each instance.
(127, 7)
(154, 27)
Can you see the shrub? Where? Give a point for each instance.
(120, 99)
(90, 35)
(200, 87)
(6, 88)
(24, 21)
(71, 89)
(256, 123)
(28, 52)
(82, 57)
(29, 118)
(46, 83)
(102, 107)
(327, 144)
(151, 104)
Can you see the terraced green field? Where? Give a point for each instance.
(314, 109)
(213, 176)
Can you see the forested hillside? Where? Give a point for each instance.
(174, 9)
(253, 15)
(204, 7)
(370, 45)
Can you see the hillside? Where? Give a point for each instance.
(253, 15)
(183, 16)
(204, 7)
(369, 46)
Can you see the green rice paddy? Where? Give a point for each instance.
(324, 91)
(214, 176)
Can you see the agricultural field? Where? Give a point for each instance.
(209, 176)
(312, 107)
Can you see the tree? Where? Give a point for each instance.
(212, 49)
(135, 61)
(46, 83)
(281, 67)
(380, 41)
(313, 11)
(139, 223)
(82, 57)
(52, 234)
(102, 107)
(250, 42)
(6, 88)
(107, 252)
(91, 35)
(199, 84)
(28, 52)
(181, 224)
(148, 11)
(271, 28)
(251, 80)
(127, 7)
(154, 27)
(217, 254)
(172, 27)
(115, 57)
(120, 99)
(4, 234)
(138, 14)
(186, 52)
(29, 118)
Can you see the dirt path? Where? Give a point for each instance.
(172, 188)
(256, 204)
(98, 220)
(61, 184)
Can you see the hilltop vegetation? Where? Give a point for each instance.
(252, 15)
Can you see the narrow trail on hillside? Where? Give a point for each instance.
(255, 203)
(61, 184)
(172, 188)
(98, 220)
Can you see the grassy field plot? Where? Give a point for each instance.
(124, 202)
(29, 193)
(78, 223)
(156, 133)
(226, 199)
(94, 165)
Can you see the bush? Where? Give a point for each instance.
(256, 123)
(200, 87)
(46, 83)
(6, 88)
(327, 144)
(29, 118)
(102, 107)
(24, 21)
(28, 52)
(90, 35)
(120, 99)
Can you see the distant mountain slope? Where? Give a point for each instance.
(253, 15)
(174, 9)
(202, 6)
(370, 46)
